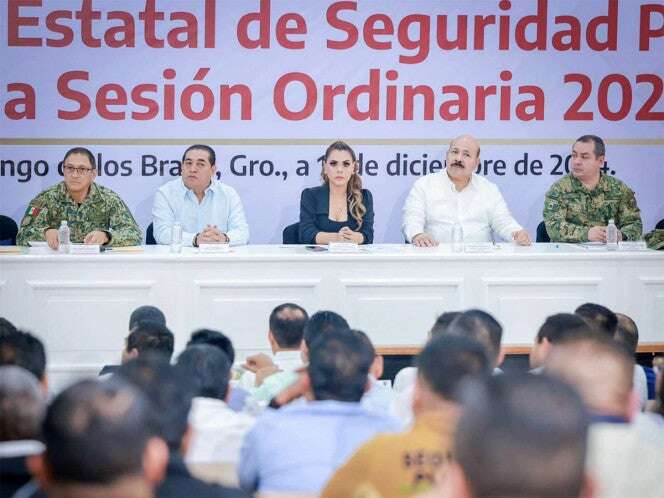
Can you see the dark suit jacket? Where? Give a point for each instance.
(315, 216)
(14, 474)
(179, 483)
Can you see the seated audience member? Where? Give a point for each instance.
(520, 436)
(238, 395)
(170, 393)
(340, 210)
(378, 397)
(6, 327)
(319, 323)
(217, 430)
(555, 329)
(627, 334)
(485, 329)
(22, 406)
(99, 443)
(146, 312)
(599, 317)
(395, 465)
(578, 207)
(404, 381)
(625, 453)
(26, 351)
(95, 214)
(209, 211)
(148, 337)
(140, 314)
(457, 195)
(297, 448)
(285, 333)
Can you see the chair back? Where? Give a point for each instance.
(149, 236)
(542, 235)
(8, 231)
(291, 234)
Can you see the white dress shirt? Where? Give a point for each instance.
(218, 432)
(221, 206)
(286, 361)
(434, 206)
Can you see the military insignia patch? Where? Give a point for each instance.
(34, 211)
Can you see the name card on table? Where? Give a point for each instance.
(629, 246)
(479, 247)
(84, 249)
(214, 248)
(343, 247)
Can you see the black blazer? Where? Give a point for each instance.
(315, 216)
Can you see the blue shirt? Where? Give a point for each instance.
(298, 447)
(220, 206)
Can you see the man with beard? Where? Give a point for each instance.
(457, 196)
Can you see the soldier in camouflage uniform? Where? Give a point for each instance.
(95, 214)
(578, 207)
(655, 239)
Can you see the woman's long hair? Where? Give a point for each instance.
(356, 207)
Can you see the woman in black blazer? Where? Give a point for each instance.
(340, 210)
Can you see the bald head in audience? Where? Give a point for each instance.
(600, 370)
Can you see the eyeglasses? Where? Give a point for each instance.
(70, 170)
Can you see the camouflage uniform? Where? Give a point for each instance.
(102, 210)
(570, 209)
(655, 239)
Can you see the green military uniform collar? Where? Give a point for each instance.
(94, 194)
(602, 186)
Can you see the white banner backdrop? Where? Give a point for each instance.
(270, 83)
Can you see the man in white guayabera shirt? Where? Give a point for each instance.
(439, 201)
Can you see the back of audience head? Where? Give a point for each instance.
(286, 324)
(22, 404)
(482, 327)
(170, 393)
(6, 327)
(536, 424)
(146, 313)
(443, 322)
(213, 338)
(148, 337)
(627, 333)
(601, 370)
(599, 317)
(26, 351)
(555, 329)
(97, 433)
(319, 323)
(377, 365)
(443, 364)
(339, 362)
(208, 368)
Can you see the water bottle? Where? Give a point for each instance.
(611, 236)
(176, 237)
(64, 237)
(457, 238)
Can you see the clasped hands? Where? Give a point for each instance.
(598, 234)
(348, 235)
(211, 235)
(94, 237)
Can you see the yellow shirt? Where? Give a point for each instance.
(397, 465)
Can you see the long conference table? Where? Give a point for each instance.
(80, 304)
